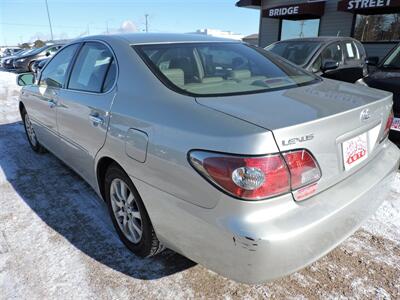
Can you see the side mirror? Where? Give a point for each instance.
(40, 66)
(372, 61)
(48, 53)
(329, 64)
(25, 79)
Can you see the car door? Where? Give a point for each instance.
(332, 52)
(83, 110)
(42, 98)
(354, 62)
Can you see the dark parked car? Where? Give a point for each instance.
(8, 61)
(25, 62)
(340, 58)
(11, 51)
(386, 76)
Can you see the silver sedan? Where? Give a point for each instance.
(216, 149)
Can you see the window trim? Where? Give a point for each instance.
(164, 80)
(69, 70)
(114, 58)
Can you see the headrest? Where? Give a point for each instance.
(176, 76)
(212, 79)
(240, 74)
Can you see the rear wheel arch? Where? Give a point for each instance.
(101, 168)
(21, 108)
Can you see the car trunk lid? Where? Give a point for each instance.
(331, 119)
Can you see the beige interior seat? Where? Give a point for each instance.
(176, 76)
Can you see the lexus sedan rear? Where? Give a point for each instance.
(220, 151)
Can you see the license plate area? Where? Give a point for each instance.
(396, 124)
(355, 151)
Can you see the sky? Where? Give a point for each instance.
(26, 20)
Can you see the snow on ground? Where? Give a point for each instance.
(56, 241)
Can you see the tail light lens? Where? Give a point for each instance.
(303, 168)
(254, 178)
(388, 124)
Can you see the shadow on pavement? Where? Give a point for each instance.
(69, 206)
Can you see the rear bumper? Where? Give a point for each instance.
(254, 242)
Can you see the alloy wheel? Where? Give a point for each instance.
(30, 131)
(126, 210)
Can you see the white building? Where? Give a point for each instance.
(219, 33)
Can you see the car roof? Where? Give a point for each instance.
(154, 38)
(320, 39)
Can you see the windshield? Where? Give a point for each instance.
(37, 50)
(206, 69)
(26, 52)
(298, 52)
(393, 61)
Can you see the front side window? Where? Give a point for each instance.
(220, 68)
(90, 70)
(393, 60)
(298, 52)
(55, 72)
(332, 53)
(377, 28)
(291, 29)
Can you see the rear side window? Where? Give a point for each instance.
(94, 69)
(55, 73)
(207, 69)
(351, 51)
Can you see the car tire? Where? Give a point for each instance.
(30, 133)
(129, 215)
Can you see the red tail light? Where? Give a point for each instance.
(303, 168)
(254, 178)
(388, 124)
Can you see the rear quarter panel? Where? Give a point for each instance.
(174, 124)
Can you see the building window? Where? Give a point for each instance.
(377, 28)
(299, 28)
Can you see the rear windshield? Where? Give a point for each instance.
(297, 52)
(205, 69)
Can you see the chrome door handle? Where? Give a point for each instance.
(96, 119)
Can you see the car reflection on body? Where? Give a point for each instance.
(386, 76)
(340, 58)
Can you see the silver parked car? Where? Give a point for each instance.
(218, 150)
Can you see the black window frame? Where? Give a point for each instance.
(113, 59)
